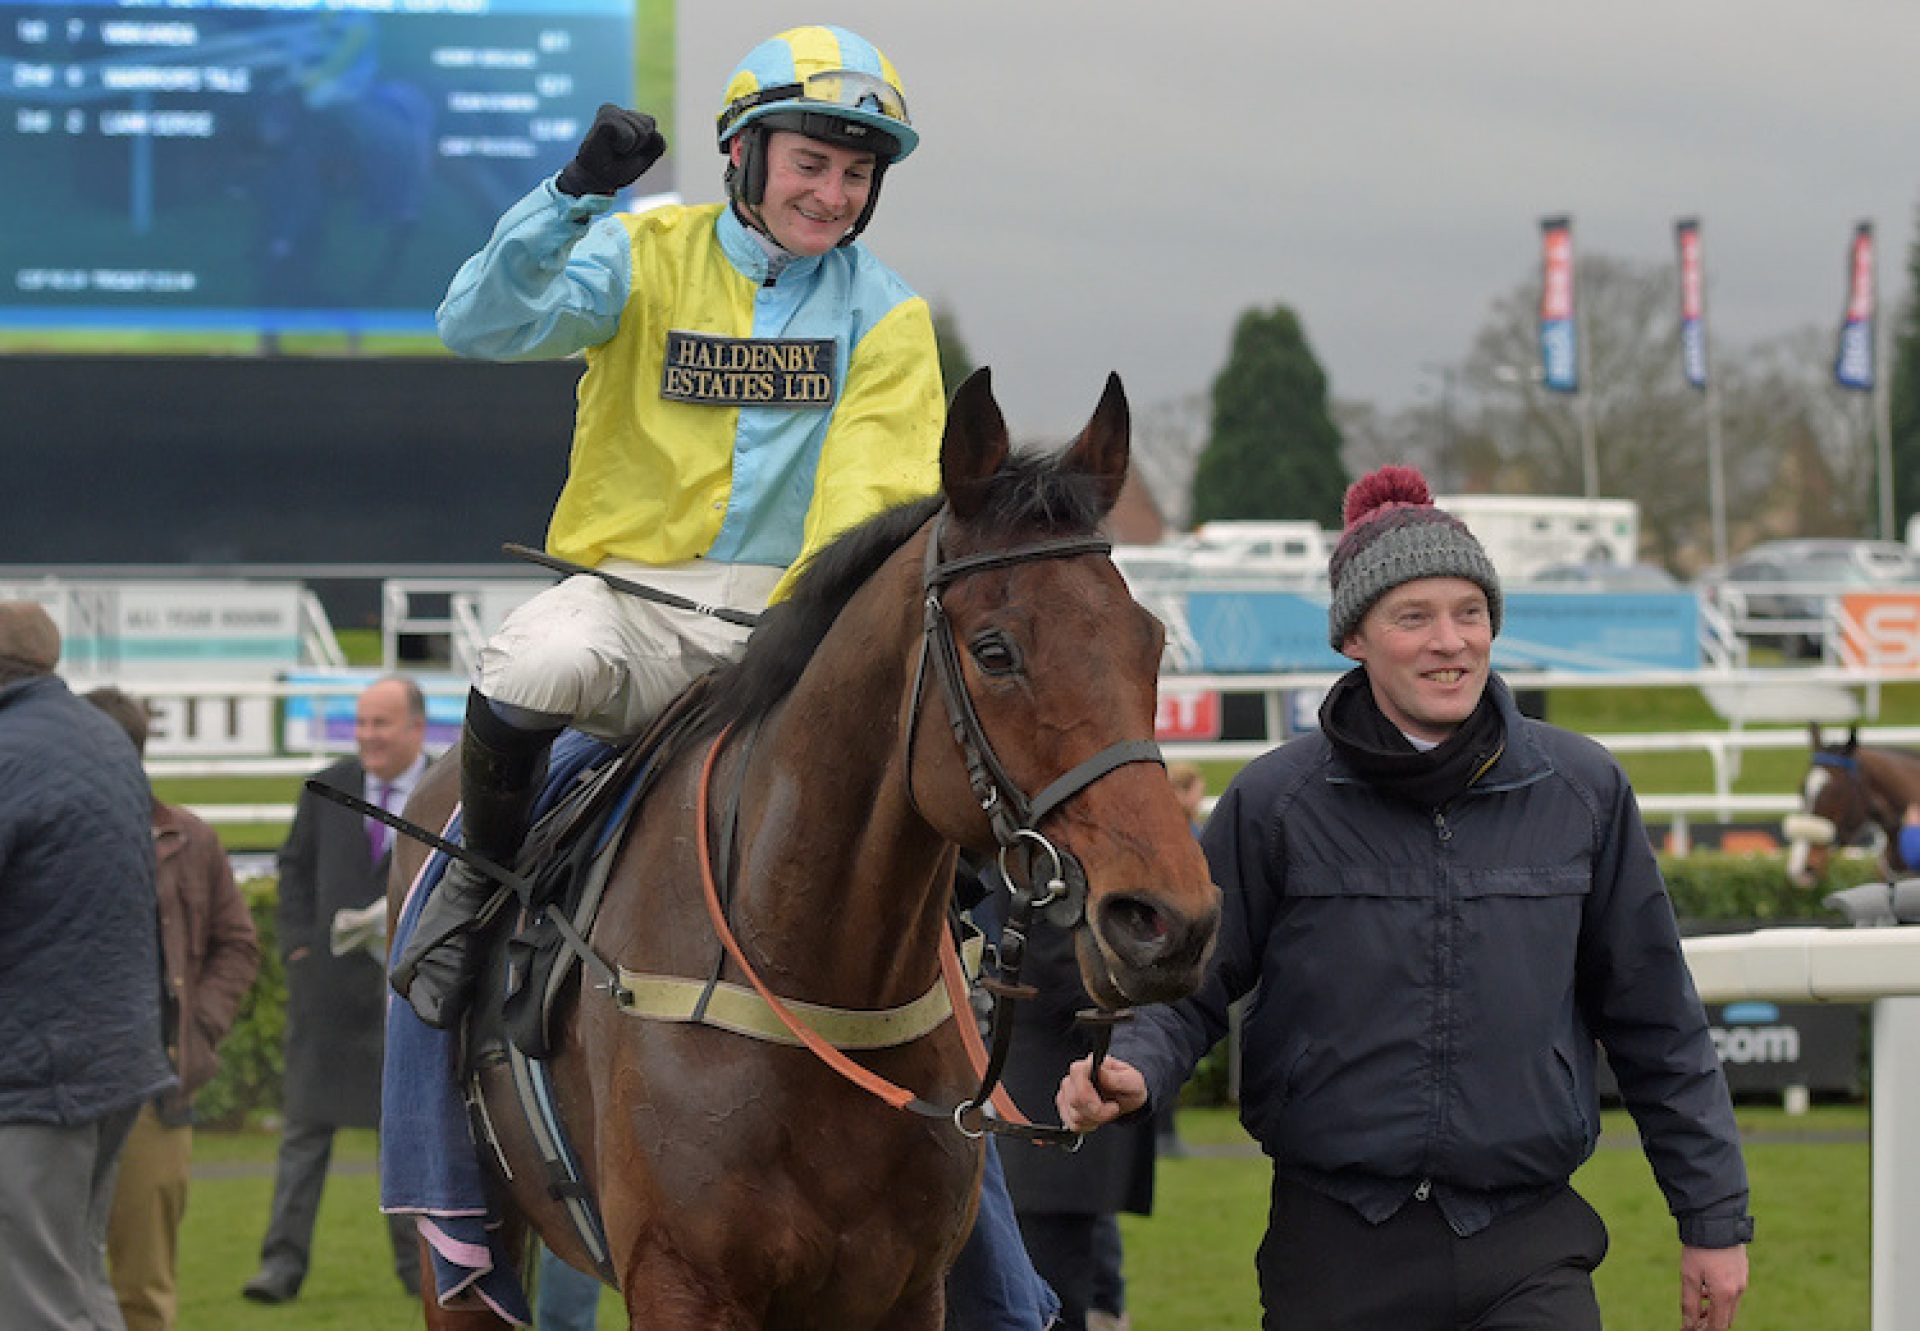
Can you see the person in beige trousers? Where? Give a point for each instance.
(209, 958)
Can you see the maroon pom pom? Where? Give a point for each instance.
(1377, 489)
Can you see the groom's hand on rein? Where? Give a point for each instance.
(1083, 1107)
(616, 151)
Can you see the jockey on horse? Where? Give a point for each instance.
(756, 383)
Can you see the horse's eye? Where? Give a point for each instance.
(994, 654)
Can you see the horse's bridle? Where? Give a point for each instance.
(1013, 817)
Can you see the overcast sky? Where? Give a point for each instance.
(1107, 185)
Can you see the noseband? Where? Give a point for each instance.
(1013, 816)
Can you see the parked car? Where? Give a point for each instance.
(1788, 583)
(1600, 577)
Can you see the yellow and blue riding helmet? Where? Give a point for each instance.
(826, 83)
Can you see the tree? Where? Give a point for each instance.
(1804, 463)
(1649, 433)
(956, 363)
(1783, 423)
(1274, 451)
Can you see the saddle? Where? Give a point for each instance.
(581, 821)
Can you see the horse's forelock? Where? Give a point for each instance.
(1033, 494)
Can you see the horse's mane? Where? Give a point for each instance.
(1027, 496)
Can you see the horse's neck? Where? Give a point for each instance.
(843, 887)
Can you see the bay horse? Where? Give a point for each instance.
(1850, 788)
(933, 668)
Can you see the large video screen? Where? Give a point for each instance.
(279, 165)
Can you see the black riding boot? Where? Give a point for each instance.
(501, 768)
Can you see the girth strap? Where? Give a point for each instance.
(737, 1008)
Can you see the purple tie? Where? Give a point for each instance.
(377, 831)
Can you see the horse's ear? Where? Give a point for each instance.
(1101, 449)
(1853, 738)
(1813, 734)
(975, 446)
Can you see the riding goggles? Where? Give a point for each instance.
(844, 89)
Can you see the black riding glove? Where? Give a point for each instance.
(616, 152)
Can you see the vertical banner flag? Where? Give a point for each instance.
(1853, 364)
(1558, 363)
(1693, 318)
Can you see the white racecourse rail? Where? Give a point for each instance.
(1880, 967)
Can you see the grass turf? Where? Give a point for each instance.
(1189, 1266)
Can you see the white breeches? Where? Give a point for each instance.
(611, 661)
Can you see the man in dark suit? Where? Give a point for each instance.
(336, 860)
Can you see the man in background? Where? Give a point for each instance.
(334, 860)
(79, 982)
(208, 957)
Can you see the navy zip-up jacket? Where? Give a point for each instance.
(80, 1032)
(1429, 985)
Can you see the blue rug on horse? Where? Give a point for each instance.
(429, 1163)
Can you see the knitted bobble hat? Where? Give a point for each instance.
(1394, 534)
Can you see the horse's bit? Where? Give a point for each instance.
(1013, 817)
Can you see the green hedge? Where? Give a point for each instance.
(1710, 888)
(248, 1083)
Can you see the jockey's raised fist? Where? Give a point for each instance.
(616, 152)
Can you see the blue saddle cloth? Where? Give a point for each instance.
(429, 1162)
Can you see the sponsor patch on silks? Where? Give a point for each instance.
(749, 371)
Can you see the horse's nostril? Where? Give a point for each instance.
(1134, 929)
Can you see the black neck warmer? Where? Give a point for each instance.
(1384, 757)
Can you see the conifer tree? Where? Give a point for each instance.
(1274, 450)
